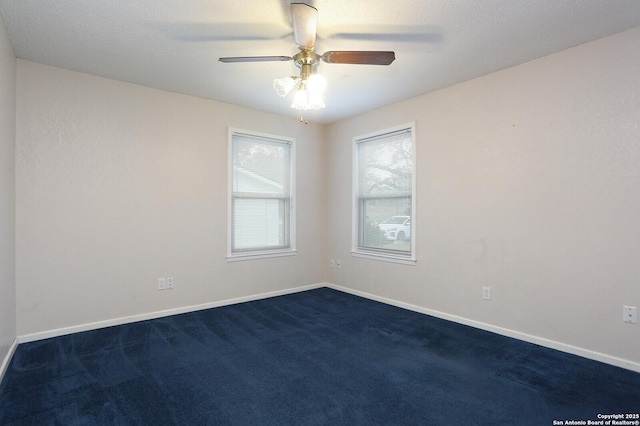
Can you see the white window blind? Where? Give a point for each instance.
(384, 194)
(261, 204)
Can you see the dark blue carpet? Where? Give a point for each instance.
(320, 357)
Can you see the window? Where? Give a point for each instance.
(262, 209)
(384, 201)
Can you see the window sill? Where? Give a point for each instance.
(404, 260)
(237, 257)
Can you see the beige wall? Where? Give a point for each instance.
(528, 181)
(7, 194)
(118, 185)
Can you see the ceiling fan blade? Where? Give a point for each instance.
(255, 59)
(304, 19)
(358, 57)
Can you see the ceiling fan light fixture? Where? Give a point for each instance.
(283, 86)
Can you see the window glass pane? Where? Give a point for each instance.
(259, 224)
(384, 193)
(386, 223)
(386, 165)
(260, 167)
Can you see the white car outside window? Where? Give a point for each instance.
(396, 228)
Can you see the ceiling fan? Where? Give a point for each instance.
(304, 19)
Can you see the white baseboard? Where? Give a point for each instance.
(585, 353)
(159, 314)
(7, 358)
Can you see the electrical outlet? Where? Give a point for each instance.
(338, 264)
(332, 263)
(486, 293)
(169, 283)
(161, 284)
(630, 314)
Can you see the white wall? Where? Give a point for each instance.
(7, 194)
(528, 181)
(118, 185)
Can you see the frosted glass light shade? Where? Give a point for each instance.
(301, 98)
(316, 83)
(309, 94)
(282, 86)
(315, 100)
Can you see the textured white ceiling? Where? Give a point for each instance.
(175, 45)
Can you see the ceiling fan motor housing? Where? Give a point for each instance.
(307, 61)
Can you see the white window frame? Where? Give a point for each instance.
(356, 249)
(265, 253)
